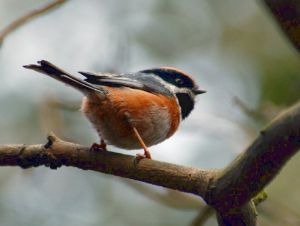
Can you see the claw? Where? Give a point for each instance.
(139, 156)
(98, 147)
(146, 155)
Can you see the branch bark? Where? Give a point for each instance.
(58, 152)
(27, 17)
(252, 170)
(287, 14)
(229, 191)
(259, 164)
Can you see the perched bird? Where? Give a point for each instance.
(134, 110)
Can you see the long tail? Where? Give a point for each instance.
(51, 70)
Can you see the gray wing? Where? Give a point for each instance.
(137, 80)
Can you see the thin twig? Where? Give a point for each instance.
(28, 17)
(287, 14)
(168, 197)
(204, 214)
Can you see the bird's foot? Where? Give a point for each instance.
(98, 147)
(145, 155)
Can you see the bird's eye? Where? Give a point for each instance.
(179, 81)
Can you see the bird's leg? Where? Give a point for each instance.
(146, 151)
(97, 147)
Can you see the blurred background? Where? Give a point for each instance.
(233, 49)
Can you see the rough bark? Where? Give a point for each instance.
(228, 191)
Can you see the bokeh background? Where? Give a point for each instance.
(233, 49)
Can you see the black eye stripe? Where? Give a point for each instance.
(171, 76)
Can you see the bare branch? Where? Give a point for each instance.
(204, 214)
(29, 16)
(250, 172)
(287, 14)
(245, 215)
(171, 198)
(58, 152)
(229, 191)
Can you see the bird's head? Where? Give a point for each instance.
(180, 84)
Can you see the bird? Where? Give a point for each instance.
(131, 110)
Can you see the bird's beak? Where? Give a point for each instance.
(198, 91)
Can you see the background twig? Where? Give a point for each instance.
(27, 17)
(287, 14)
(204, 214)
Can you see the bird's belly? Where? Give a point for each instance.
(114, 121)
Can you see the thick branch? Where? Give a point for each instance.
(228, 191)
(57, 152)
(242, 216)
(259, 164)
(27, 17)
(287, 14)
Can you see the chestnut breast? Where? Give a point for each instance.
(156, 117)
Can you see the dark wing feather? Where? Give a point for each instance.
(138, 80)
(112, 80)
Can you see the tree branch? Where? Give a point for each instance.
(58, 152)
(204, 214)
(168, 197)
(242, 216)
(252, 170)
(287, 14)
(29, 16)
(229, 191)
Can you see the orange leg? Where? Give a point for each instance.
(146, 151)
(97, 147)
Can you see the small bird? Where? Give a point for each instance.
(133, 110)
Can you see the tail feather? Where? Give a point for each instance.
(51, 70)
